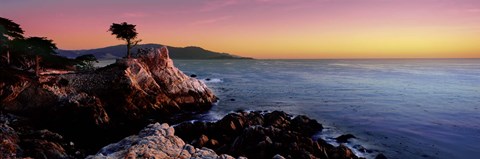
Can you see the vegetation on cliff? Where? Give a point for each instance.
(33, 53)
(127, 32)
(76, 114)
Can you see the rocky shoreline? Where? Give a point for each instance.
(262, 135)
(75, 115)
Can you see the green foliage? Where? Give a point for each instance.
(127, 32)
(86, 62)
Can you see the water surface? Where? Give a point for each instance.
(402, 108)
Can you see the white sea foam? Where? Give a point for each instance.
(212, 80)
(329, 134)
(371, 99)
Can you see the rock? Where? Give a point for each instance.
(108, 103)
(207, 79)
(232, 100)
(344, 138)
(213, 143)
(201, 141)
(380, 156)
(129, 89)
(22, 141)
(305, 125)
(193, 75)
(153, 142)
(277, 156)
(362, 149)
(341, 152)
(277, 119)
(263, 135)
(9, 142)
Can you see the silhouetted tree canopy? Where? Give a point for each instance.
(39, 47)
(24, 53)
(127, 32)
(87, 57)
(8, 31)
(85, 62)
(20, 55)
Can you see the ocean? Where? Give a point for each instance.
(406, 108)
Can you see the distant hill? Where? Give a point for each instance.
(119, 51)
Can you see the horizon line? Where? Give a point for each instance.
(234, 54)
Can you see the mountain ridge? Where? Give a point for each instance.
(119, 51)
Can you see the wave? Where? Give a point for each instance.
(212, 80)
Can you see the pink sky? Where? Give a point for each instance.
(265, 28)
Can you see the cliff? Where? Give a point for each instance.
(99, 107)
(72, 115)
(128, 90)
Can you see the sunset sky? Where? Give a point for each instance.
(265, 28)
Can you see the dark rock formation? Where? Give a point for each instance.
(19, 140)
(344, 138)
(155, 141)
(262, 135)
(105, 105)
(9, 144)
(380, 156)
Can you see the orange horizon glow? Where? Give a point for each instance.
(266, 29)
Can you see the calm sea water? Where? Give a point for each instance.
(402, 108)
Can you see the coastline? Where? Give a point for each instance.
(72, 103)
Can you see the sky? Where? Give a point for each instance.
(265, 29)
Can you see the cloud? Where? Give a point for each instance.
(211, 20)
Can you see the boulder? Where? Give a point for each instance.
(9, 142)
(263, 135)
(155, 141)
(305, 125)
(19, 140)
(344, 138)
(380, 156)
(44, 144)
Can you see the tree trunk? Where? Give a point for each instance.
(37, 65)
(129, 45)
(8, 57)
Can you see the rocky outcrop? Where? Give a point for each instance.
(70, 115)
(20, 140)
(344, 138)
(262, 135)
(130, 89)
(9, 142)
(102, 106)
(155, 141)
